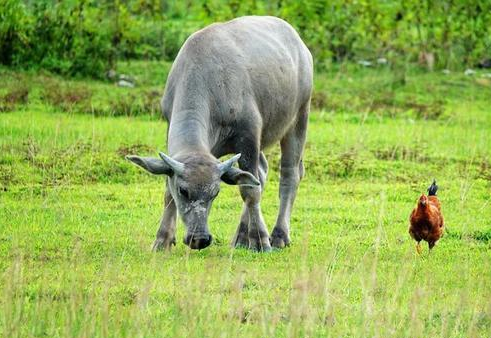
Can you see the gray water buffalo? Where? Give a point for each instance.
(235, 88)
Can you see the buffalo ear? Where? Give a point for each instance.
(152, 165)
(235, 176)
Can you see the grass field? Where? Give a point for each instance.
(77, 221)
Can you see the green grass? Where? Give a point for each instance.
(77, 220)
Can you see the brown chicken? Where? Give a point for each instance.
(426, 219)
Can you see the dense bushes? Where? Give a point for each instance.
(64, 38)
(86, 36)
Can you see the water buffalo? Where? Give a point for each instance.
(234, 88)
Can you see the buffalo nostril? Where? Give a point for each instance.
(198, 243)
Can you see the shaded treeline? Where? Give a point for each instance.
(87, 37)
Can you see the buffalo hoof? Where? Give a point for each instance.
(279, 238)
(241, 239)
(163, 243)
(260, 244)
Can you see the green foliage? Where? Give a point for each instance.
(13, 29)
(87, 37)
(65, 37)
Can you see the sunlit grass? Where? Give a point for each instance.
(77, 223)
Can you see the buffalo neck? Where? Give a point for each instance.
(188, 133)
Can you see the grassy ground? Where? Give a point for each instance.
(77, 220)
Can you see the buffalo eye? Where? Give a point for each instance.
(184, 192)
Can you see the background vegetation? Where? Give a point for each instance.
(87, 37)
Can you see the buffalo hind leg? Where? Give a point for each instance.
(166, 235)
(241, 237)
(291, 172)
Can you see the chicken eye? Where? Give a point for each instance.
(184, 192)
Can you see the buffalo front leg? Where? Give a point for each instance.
(166, 235)
(291, 172)
(241, 237)
(251, 195)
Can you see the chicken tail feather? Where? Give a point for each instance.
(432, 189)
